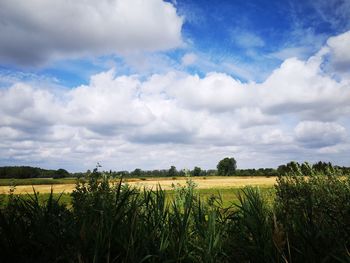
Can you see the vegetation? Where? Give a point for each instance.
(21, 172)
(227, 166)
(36, 181)
(308, 221)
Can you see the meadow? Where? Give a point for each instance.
(303, 217)
(229, 196)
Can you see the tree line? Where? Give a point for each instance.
(23, 172)
(225, 167)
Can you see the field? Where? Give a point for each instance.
(229, 196)
(24, 186)
(225, 187)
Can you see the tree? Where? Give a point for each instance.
(227, 166)
(172, 171)
(197, 171)
(137, 172)
(60, 173)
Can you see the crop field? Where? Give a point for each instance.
(24, 186)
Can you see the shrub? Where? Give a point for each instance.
(315, 212)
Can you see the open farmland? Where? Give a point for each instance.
(216, 182)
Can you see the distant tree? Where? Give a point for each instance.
(60, 173)
(24, 172)
(227, 166)
(197, 171)
(182, 172)
(172, 171)
(137, 172)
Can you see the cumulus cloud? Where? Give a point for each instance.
(299, 111)
(107, 103)
(301, 87)
(315, 134)
(340, 52)
(37, 31)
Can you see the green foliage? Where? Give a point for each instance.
(305, 169)
(315, 212)
(227, 166)
(172, 171)
(137, 172)
(36, 181)
(250, 234)
(23, 172)
(34, 231)
(60, 173)
(197, 171)
(309, 221)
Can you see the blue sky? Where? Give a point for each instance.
(151, 84)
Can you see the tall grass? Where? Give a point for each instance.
(309, 221)
(315, 212)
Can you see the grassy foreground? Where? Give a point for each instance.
(229, 196)
(307, 220)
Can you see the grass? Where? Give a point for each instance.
(36, 181)
(229, 196)
(64, 198)
(300, 220)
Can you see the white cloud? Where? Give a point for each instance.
(315, 134)
(340, 52)
(188, 59)
(179, 118)
(301, 87)
(254, 117)
(37, 31)
(107, 103)
(276, 136)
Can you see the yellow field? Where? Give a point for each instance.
(166, 184)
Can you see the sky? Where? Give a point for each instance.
(151, 83)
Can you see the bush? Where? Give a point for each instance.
(315, 212)
(60, 173)
(31, 231)
(227, 166)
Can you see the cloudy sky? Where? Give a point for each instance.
(152, 83)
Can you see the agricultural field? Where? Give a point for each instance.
(67, 185)
(225, 187)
